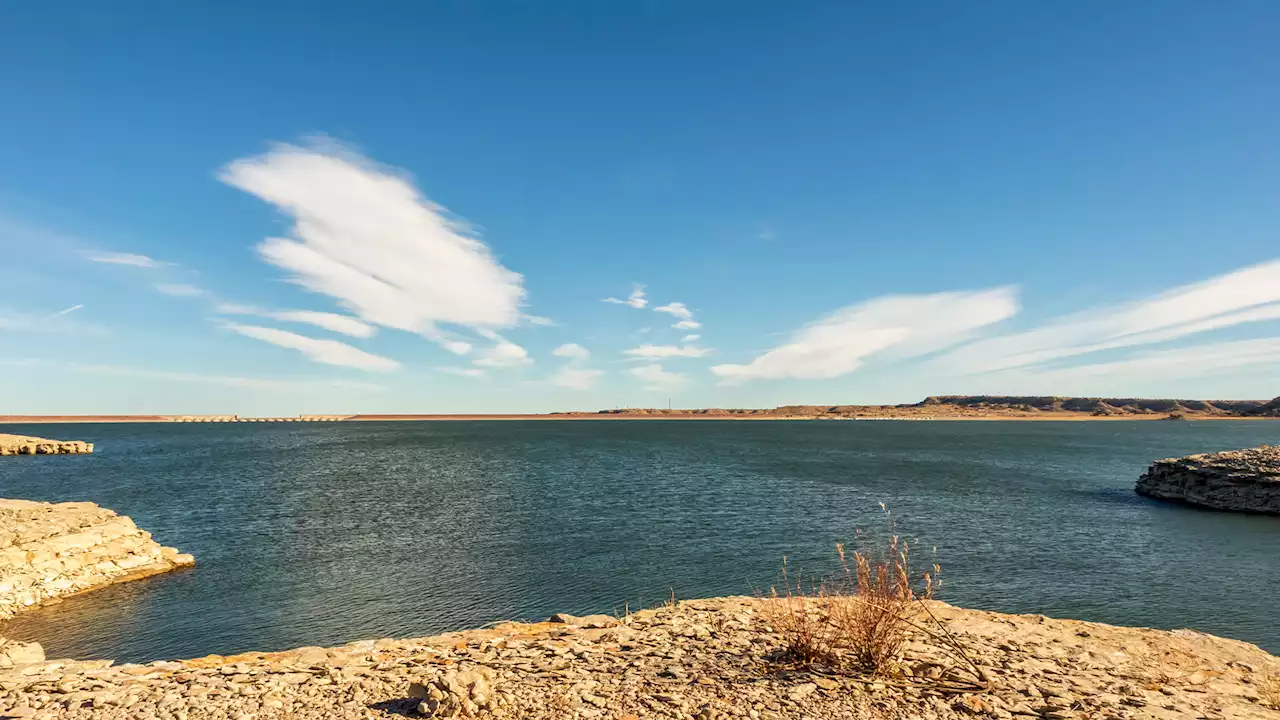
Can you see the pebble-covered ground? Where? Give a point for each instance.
(702, 659)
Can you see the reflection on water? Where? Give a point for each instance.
(321, 534)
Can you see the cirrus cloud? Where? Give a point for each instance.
(117, 258)
(896, 326)
(329, 352)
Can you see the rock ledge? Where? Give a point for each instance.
(51, 550)
(1236, 480)
(24, 445)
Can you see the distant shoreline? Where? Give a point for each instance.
(941, 407)
(994, 417)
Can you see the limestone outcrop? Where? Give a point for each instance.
(50, 550)
(23, 445)
(1237, 480)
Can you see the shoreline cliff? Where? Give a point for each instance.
(1235, 480)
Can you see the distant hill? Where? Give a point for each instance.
(1101, 406)
(1271, 409)
(980, 406)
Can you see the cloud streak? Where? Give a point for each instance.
(269, 384)
(1245, 296)
(180, 290)
(66, 311)
(329, 352)
(648, 351)
(342, 324)
(114, 258)
(897, 326)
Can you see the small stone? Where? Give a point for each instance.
(801, 691)
(826, 683)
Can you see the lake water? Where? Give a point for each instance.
(323, 534)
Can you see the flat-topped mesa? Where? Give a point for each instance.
(1237, 480)
(23, 445)
(50, 550)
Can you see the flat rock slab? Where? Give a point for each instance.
(24, 445)
(1235, 480)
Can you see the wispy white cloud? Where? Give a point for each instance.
(58, 322)
(691, 338)
(115, 258)
(269, 384)
(463, 371)
(576, 378)
(366, 236)
(539, 320)
(180, 290)
(574, 374)
(683, 315)
(230, 308)
(636, 299)
(666, 351)
(655, 378)
(1245, 296)
(1181, 362)
(573, 351)
(894, 326)
(504, 353)
(330, 352)
(677, 309)
(344, 324)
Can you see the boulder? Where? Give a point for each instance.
(13, 653)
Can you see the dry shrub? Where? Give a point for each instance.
(862, 616)
(803, 620)
(880, 614)
(1269, 691)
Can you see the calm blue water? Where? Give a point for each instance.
(322, 534)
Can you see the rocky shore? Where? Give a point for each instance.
(1237, 480)
(23, 445)
(712, 659)
(51, 550)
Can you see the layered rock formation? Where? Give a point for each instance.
(50, 550)
(715, 659)
(23, 445)
(1239, 480)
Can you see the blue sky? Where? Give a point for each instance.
(274, 208)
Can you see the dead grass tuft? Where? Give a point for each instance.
(1269, 691)
(879, 610)
(862, 616)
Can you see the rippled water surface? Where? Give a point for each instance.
(322, 534)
